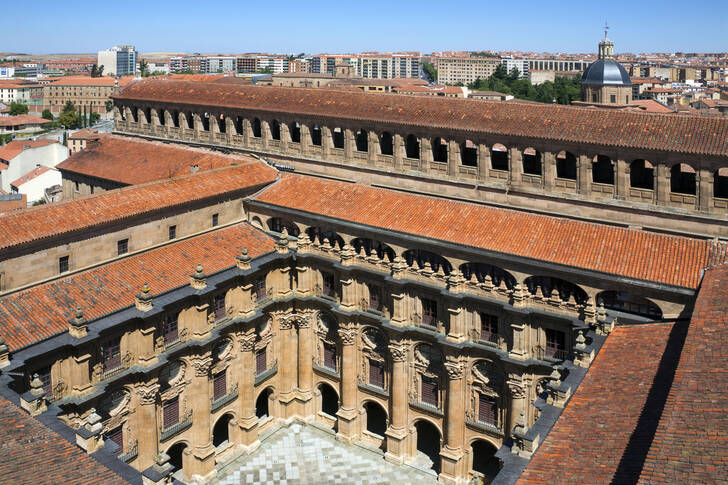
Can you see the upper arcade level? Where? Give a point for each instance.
(663, 172)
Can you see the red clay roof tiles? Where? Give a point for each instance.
(34, 314)
(24, 226)
(635, 254)
(16, 147)
(637, 130)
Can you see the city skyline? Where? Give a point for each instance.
(332, 27)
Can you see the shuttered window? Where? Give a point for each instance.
(117, 436)
(260, 290)
(330, 356)
(171, 333)
(429, 311)
(171, 412)
(218, 304)
(429, 391)
(219, 385)
(375, 297)
(376, 373)
(111, 354)
(555, 344)
(488, 327)
(487, 409)
(329, 286)
(260, 361)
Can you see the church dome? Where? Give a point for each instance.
(606, 72)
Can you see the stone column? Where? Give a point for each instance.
(583, 167)
(397, 432)
(327, 141)
(662, 184)
(620, 180)
(305, 139)
(265, 136)
(146, 423)
(248, 421)
(453, 462)
(287, 364)
(397, 148)
(348, 144)
(285, 137)
(229, 130)
(704, 184)
(453, 158)
(247, 132)
(348, 414)
(305, 363)
(483, 162)
(517, 391)
(515, 164)
(202, 462)
(425, 154)
(373, 149)
(549, 170)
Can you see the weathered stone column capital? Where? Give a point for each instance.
(247, 342)
(147, 392)
(348, 335)
(455, 368)
(202, 365)
(398, 350)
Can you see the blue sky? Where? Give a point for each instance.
(315, 26)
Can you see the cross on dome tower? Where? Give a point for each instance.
(606, 46)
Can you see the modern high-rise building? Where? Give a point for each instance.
(371, 65)
(120, 60)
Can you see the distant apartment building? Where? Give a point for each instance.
(193, 64)
(158, 66)
(221, 64)
(560, 65)
(465, 70)
(82, 91)
(119, 60)
(520, 65)
(16, 70)
(80, 65)
(21, 91)
(276, 64)
(371, 65)
(79, 139)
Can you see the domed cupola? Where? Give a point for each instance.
(605, 81)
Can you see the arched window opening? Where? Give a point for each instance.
(623, 301)
(531, 161)
(641, 175)
(329, 400)
(484, 460)
(370, 245)
(321, 235)
(220, 432)
(565, 289)
(190, 119)
(499, 157)
(386, 143)
(565, 165)
(602, 170)
(682, 179)
(175, 455)
(261, 404)
(221, 124)
(439, 150)
(276, 224)
(134, 115)
(161, 117)
(205, 122)
(316, 135)
(275, 130)
(469, 154)
(412, 147)
(147, 114)
(337, 135)
(720, 183)
(362, 141)
(420, 256)
(481, 270)
(294, 130)
(175, 119)
(376, 418)
(238, 125)
(428, 442)
(256, 126)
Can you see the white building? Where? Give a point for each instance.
(120, 60)
(521, 65)
(20, 157)
(221, 64)
(34, 183)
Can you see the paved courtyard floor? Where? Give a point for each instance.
(303, 454)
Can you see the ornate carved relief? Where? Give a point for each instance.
(398, 351)
(348, 335)
(147, 392)
(201, 365)
(455, 368)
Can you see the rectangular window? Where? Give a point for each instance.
(594, 97)
(172, 232)
(260, 290)
(171, 413)
(488, 327)
(613, 98)
(171, 332)
(487, 410)
(63, 264)
(329, 285)
(376, 374)
(214, 220)
(330, 356)
(122, 247)
(429, 391)
(111, 354)
(218, 305)
(429, 311)
(117, 436)
(219, 385)
(555, 344)
(375, 297)
(261, 364)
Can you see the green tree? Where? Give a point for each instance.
(93, 117)
(69, 118)
(266, 70)
(84, 118)
(47, 114)
(109, 105)
(97, 71)
(143, 68)
(39, 202)
(430, 71)
(65, 138)
(18, 109)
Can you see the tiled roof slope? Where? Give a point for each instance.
(24, 226)
(592, 440)
(16, 147)
(134, 161)
(636, 130)
(22, 120)
(661, 258)
(42, 311)
(691, 441)
(32, 453)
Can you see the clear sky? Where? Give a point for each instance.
(315, 26)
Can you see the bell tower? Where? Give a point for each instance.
(606, 46)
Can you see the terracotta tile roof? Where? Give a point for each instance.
(538, 121)
(84, 81)
(691, 441)
(134, 161)
(631, 253)
(651, 106)
(85, 134)
(16, 147)
(22, 120)
(42, 311)
(30, 452)
(590, 442)
(30, 175)
(33, 223)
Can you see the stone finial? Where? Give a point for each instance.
(347, 255)
(398, 266)
(555, 298)
(488, 282)
(519, 296)
(580, 340)
(427, 270)
(77, 324)
(160, 472)
(282, 242)
(36, 386)
(583, 355)
(503, 287)
(455, 281)
(304, 243)
(243, 259)
(601, 313)
(555, 377)
(143, 300)
(88, 436)
(590, 312)
(34, 400)
(198, 279)
(4, 353)
(327, 244)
